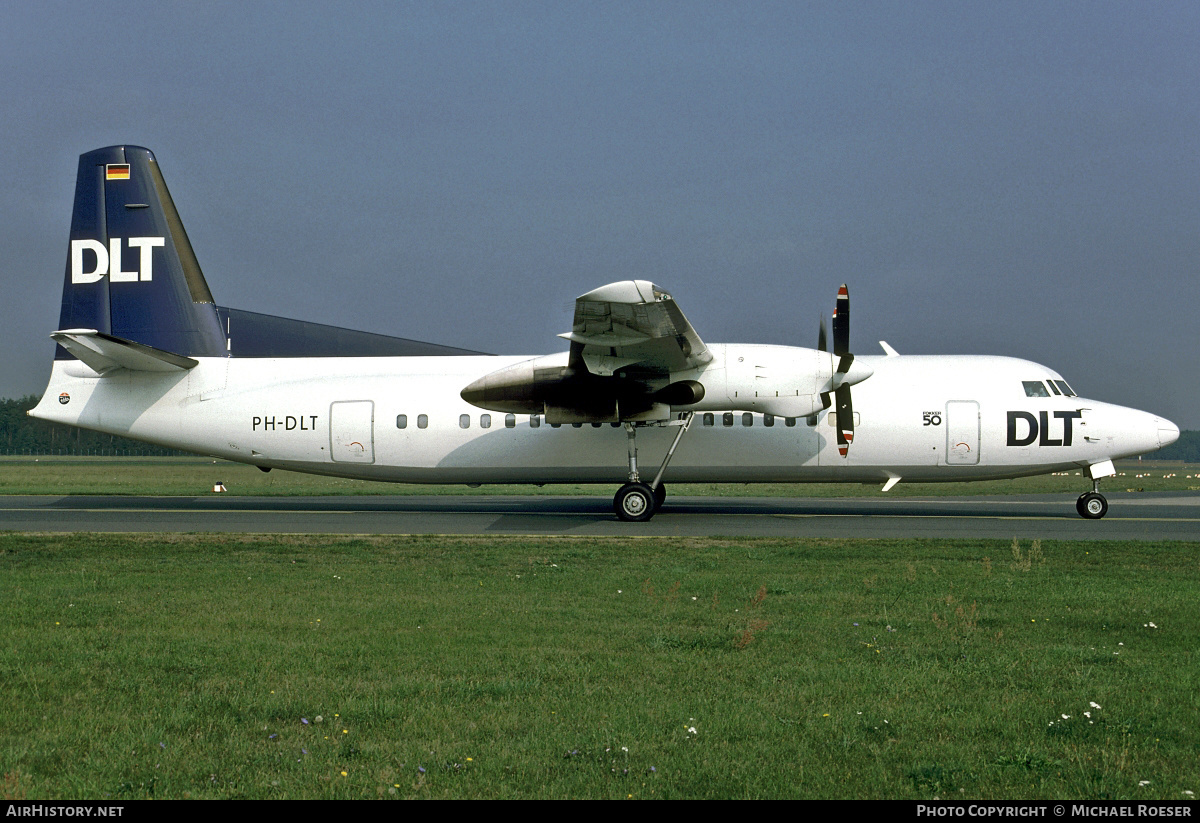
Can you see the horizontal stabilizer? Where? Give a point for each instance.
(105, 353)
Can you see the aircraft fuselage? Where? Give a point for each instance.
(920, 418)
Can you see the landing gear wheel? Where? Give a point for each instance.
(1091, 505)
(660, 494)
(634, 503)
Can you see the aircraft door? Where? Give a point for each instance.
(352, 431)
(962, 433)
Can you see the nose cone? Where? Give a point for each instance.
(1168, 432)
(1126, 432)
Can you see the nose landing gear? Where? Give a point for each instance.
(1092, 505)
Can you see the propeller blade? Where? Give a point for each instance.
(841, 323)
(844, 406)
(841, 378)
(844, 419)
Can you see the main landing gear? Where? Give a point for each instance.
(636, 502)
(1092, 505)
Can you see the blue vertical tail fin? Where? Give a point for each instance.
(131, 272)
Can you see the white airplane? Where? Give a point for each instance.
(144, 352)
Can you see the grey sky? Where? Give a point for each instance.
(1008, 178)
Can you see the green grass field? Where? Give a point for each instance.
(196, 476)
(323, 667)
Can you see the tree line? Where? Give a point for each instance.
(21, 434)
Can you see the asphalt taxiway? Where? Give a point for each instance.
(1161, 516)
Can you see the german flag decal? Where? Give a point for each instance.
(116, 171)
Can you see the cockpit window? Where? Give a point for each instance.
(1035, 388)
(1062, 384)
(1053, 387)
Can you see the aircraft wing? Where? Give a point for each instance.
(633, 323)
(633, 327)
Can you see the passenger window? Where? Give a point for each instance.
(727, 419)
(535, 420)
(747, 419)
(577, 425)
(510, 421)
(1035, 388)
(791, 421)
(422, 421)
(464, 421)
(768, 420)
(555, 425)
(402, 421)
(485, 421)
(709, 419)
(597, 425)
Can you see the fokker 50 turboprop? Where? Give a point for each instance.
(144, 352)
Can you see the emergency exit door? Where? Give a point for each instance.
(962, 433)
(352, 431)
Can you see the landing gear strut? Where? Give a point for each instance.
(636, 502)
(1092, 505)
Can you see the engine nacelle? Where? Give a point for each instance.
(524, 387)
(780, 380)
(784, 381)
